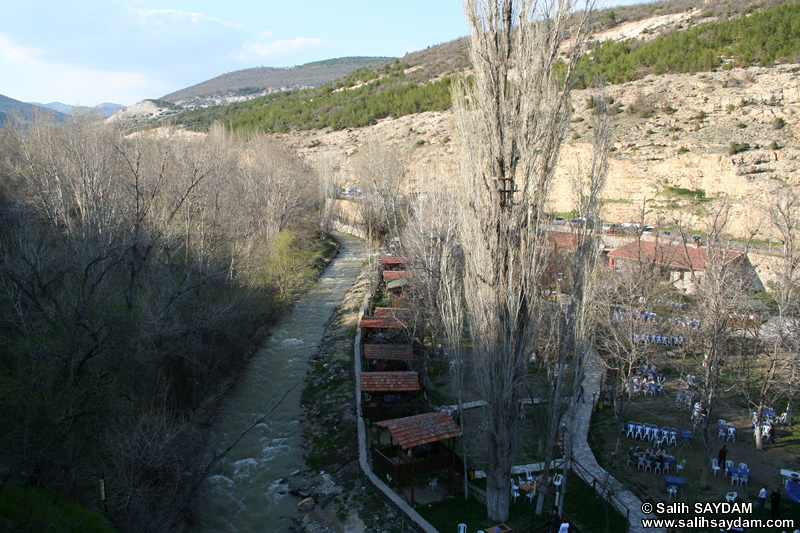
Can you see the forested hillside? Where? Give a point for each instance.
(137, 273)
(421, 81)
(253, 80)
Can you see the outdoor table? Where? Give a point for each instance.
(740, 471)
(676, 481)
(499, 528)
(793, 491)
(525, 488)
(687, 434)
(789, 475)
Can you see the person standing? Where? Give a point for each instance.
(723, 455)
(762, 498)
(555, 522)
(564, 526)
(775, 503)
(580, 395)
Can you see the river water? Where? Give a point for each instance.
(251, 493)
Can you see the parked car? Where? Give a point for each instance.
(647, 230)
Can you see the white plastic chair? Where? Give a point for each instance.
(743, 466)
(514, 489)
(648, 465)
(462, 528)
(529, 474)
(679, 466)
(630, 429)
(641, 463)
(721, 422)
(673, 491)
(721, 434)
(732, 434)
(434, 483)
(530, 496)
(557, 479)
(715, 465)
(657, 468)
(728, 464)
(731, 497)
(734, 479)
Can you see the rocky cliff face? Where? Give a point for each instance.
(680, 143)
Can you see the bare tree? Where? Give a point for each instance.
(381, 168)
(625, 297)
(720, 277)
(785, 217)
(327, 167)
(773, 375)
(511, 116)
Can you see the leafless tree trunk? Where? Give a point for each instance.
(328, 187)
(511, 117)
(721, 284)
(381, 168)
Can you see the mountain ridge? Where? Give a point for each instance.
(106, 109)
(257, 81)
(8, 106)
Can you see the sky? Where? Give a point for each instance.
(123, 51)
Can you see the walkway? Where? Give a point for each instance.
(607, 486)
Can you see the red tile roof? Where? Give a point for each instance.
(565, 239)
(677, 257)
(395, 352)
(381, 322)
(399, 313)
(397, 274)
(393, 260)
(421, 429)
(389, 381)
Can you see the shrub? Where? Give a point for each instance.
(736, 148)
(778, 123)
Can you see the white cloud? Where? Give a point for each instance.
(176, 14)
(15, 52)
(283, 47)
(28, 78)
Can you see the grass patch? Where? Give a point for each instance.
(30, 509)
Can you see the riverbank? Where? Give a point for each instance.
(336, 500)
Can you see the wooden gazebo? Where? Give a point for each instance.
(384, 357)
(388, 394)
(419, 446)
(385, 323)
(394, 262)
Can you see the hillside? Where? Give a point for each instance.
(623, 49)
(707, 103)
(249, 83)
(8, 106)
(106, 109)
